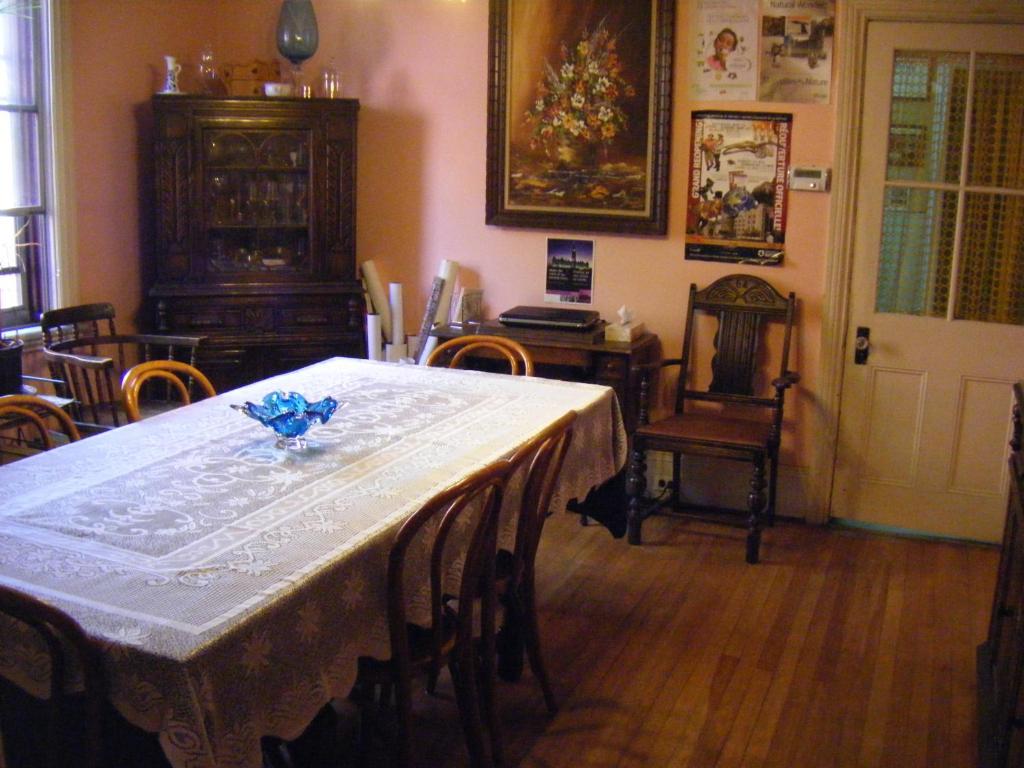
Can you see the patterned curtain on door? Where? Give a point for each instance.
(934, 107)
(991, 279)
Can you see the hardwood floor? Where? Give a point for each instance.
(840, 649)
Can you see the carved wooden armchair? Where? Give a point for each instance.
(740, 414)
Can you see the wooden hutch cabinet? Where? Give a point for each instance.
(255, 231)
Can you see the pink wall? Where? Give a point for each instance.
(419, 68)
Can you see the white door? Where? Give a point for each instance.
(938, 279)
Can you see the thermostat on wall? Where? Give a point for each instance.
(809, 179)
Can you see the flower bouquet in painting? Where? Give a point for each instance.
(578, 140)
(578, 107)
(576, 155)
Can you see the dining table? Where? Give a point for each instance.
(233, 585)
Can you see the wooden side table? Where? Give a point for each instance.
(576, 356)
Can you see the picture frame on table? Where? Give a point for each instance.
(579, 111)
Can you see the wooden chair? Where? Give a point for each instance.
(74, 723)
(542, 459)
(453, 352)
(746, 427)
(30, 413)
(82, 321)
(179, 377)
(90, 370)
(470, 509)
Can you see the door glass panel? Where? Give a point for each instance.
(997, 122)
(918, 233)
(931, 91)
(926, 121)
(991, 281)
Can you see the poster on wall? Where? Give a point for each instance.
(765, 50)
(796, 50)
(736, 201)
(725, 64)
(570, 271)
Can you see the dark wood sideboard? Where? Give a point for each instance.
(1001, 656)
(255, 232)
(577, 356)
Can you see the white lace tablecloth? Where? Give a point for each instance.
(234, 584)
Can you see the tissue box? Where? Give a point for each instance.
(623, 331)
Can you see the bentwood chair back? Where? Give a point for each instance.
(542, 460)
(454, 352)
(73, 733)
(30, 415)
(180, 377)
(458, 525)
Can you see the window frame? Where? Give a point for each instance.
(49, 277)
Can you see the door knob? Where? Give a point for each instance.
(861, 345)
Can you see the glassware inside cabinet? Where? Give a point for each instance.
(256, 201)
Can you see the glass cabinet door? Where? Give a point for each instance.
(256, 215)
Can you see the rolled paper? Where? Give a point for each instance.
(374, 350)
(430, 312)
(397, 314)
(393, 353)
(448, 270)
(427, 349)
(378, 297)
(412, 344)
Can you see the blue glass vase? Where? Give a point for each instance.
(297, 35)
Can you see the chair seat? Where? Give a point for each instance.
(710, 429)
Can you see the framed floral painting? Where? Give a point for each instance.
(578, 114)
